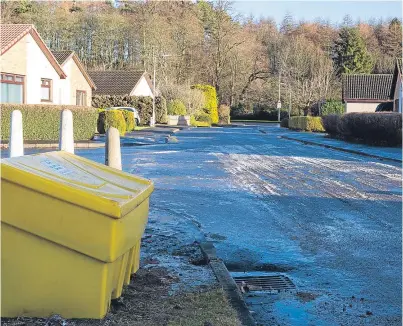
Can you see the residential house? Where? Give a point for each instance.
(77, 87)
(122, 82)
(396, 89)
(31, 74)
(363, 93)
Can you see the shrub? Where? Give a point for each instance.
(161, 112)
(306, 123)
(210, 96)
(111, 118)
(195, 123)
(176, 107)
(143, 104)
(332, 107)
(130, 120)
(331, 123)
(224, 114)
(284, 123)
(258, 114)
(373, 128)
(42, 122)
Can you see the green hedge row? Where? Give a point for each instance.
(306, 123)
(381, 128)
(210, 100)
(111, 118)
(42, 121)
(143, 104)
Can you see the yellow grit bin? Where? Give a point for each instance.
(70, 234)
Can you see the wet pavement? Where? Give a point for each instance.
(329, 220)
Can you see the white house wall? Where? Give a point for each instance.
(398, 94)
(39, 67)
(142, 88)
(361, 107)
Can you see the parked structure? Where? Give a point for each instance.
(122, 82)
(396, 89)
(363, 93)
(31, 74)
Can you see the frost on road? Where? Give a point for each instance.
(330, 221)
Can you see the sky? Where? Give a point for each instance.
(331, 10)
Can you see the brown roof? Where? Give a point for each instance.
(63, 56)
(10, 34)
(116, 82)
(367, 87)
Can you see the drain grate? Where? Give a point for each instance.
(266, 283)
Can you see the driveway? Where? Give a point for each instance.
(329, 220)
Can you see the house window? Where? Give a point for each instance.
(46, 90)
(81, 98)
(12, 88)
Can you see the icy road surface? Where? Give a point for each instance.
(329, 220)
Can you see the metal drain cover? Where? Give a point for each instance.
(266, 283)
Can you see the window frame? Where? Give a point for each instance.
(3, 80)
(50, 86)
(82, 93)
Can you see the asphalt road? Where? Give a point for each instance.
(330, 221)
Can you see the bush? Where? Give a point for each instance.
(332, 107)
(195, 123)
(258, 114)
(383, 128)
(224, 114)
(176, 107)
(143, 104)
(306, 123)
(111, 118)
(161, 112)
(331, 123)
(130, 120)
(42, 122)
(284, 123)
(210, 96)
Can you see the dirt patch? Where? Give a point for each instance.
(306, 296)
(146, 302)
(192, 252)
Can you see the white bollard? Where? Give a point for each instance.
(66, 135)
(113, 157)
(16, 134)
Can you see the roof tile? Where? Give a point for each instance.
(115, 82)
(11, 33)
(368, 87)
(61, 56)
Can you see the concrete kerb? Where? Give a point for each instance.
(228, 283)
(307, 142)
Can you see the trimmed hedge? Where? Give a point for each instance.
(130, 120)
(144, 104)
(332, 107)
(111, 118)
(306, 123)
(381, 128)
(42, 121)
(176, 107)
(210, 96)
(284, 123)
(224, 114)
(331, 123)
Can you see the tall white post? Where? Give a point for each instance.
(113, 157)
(66, 136)
(152, 122)
(16, 134)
